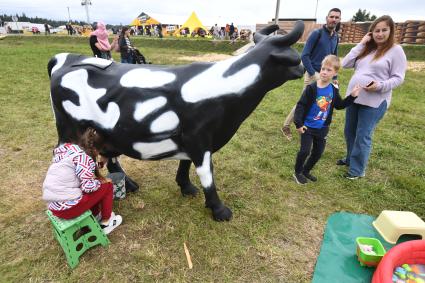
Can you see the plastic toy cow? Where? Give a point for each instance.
(162, 112)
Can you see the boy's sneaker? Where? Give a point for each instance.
(300, 179)
(342, 162)
(310, 177)
(286, 131)
(352, 177)
(114, 222)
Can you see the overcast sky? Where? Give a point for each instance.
(248, 12)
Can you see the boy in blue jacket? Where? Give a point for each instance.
(313, 115)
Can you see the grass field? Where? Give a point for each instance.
(276, 231)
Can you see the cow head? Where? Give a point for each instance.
(279, 61)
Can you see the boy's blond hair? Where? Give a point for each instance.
(333, 61)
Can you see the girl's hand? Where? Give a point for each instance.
(372, 87)
(355, 91)
(102, 161)
(104, 180)
(302, 129)
(366, 38)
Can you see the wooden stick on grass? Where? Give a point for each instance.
(186, 251)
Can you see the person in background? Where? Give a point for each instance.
(73, 183)
(216, 32)
(99, 42)
(46, 29)
(320, 43)
(126, 48)
(231, 31)
(313, 116)
(379, 66)
(71, 29)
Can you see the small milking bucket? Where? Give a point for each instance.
(118, 179)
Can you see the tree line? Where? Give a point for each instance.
(37, 20)
(359, 16)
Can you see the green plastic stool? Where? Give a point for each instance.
(77, 235)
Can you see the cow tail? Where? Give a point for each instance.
(50, 66)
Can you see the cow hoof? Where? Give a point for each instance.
(222, 213)
(130, 185)
(189, 190)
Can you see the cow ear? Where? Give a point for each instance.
(291, 37)
(287, 58)
(264, 32)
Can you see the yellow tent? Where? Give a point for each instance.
(193, 23)
(144, 20)
(136, 22)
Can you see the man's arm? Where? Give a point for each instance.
(300, 109)
(307, 52)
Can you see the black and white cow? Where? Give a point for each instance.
(161, 112)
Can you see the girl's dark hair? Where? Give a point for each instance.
(92, 142)
(123, 30)
(372, 46)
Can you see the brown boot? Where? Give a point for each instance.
(286, 131)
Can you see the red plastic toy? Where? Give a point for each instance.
(410, 252)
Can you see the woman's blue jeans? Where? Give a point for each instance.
(128, 60)
(360, 123)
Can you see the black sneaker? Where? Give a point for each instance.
(352, 177)
(310, 177)
(342, 162)
(300, 179)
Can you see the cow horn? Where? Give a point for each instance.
(294, 35)
(262, 33)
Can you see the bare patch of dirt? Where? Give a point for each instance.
(415, 66)
(209, 57)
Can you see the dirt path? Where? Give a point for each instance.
(415, 66)
(209, 57)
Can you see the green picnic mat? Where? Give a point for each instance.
(337, 261)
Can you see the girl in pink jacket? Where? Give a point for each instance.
(74, 184)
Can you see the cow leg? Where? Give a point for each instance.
(204, 170)
(114, 166)
(182, 179)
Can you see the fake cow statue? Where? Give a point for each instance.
(160, 112)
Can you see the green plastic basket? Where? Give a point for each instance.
(368, 259)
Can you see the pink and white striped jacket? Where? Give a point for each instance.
(84, 170)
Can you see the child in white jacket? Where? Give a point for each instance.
(73, 183)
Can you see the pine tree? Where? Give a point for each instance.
(363, 16)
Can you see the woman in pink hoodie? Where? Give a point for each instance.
(99, 42)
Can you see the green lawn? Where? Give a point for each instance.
(276, 231)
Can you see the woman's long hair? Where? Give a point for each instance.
(92, 142)
(123, 30)
(372, 46)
